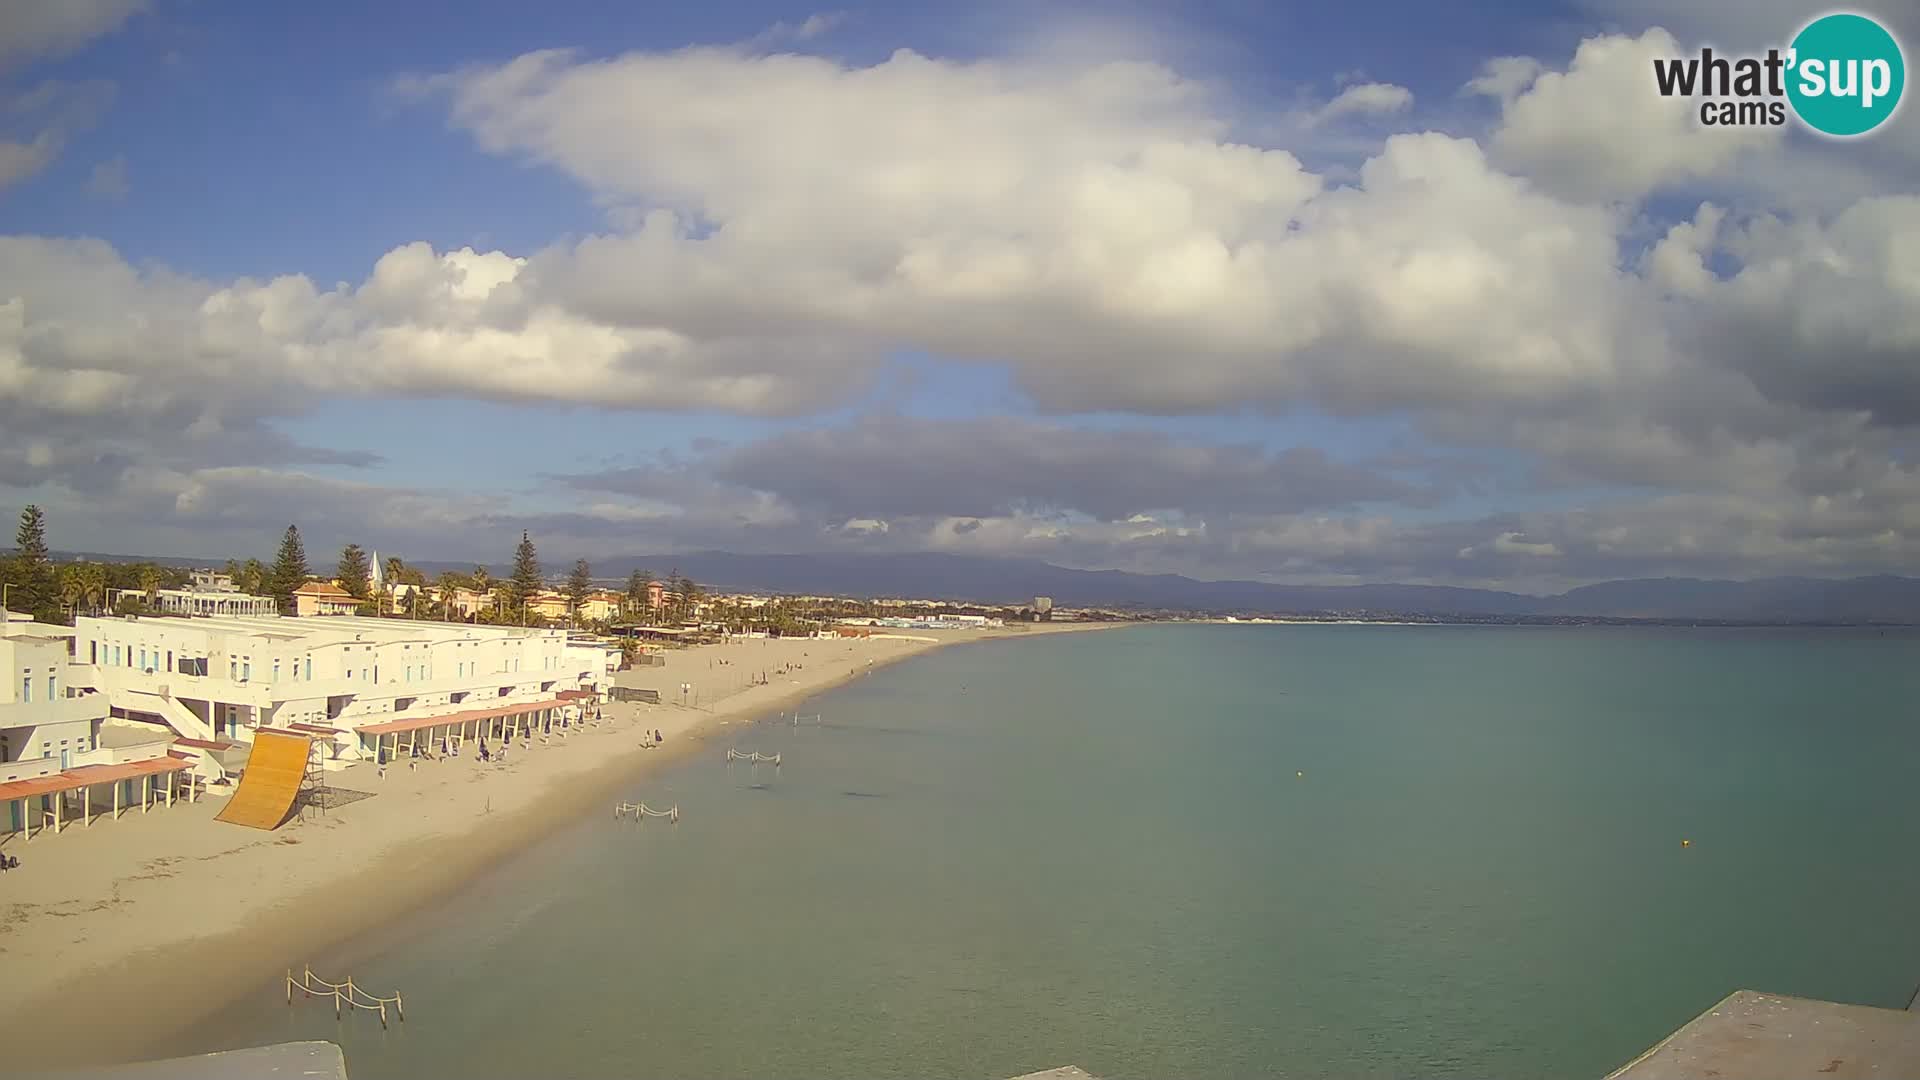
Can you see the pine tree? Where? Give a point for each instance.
(637, 592)
(356, 576)
(526, 576)
(29, 571)
(675, 597)
(289, 569)
(579, 584)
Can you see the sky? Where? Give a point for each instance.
(1283, 291)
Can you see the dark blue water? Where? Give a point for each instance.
(1203, 852)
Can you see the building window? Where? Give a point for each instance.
(276, 669)
(116, 656)
(246, 671)
(26, 690)
(143, 659)
(93, 652)
(309, 668)
(53, 688)
(169, 659)
(233, 668)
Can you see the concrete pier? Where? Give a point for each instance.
(1785, 1038)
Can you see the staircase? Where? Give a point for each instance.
(182, 720)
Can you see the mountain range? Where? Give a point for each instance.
(992, 581)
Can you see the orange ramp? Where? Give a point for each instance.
(275, 769)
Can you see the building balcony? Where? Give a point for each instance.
(58, 711)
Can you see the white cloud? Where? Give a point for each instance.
(781, 223)
(36, 124)
(813, 26)
(109, 179)
(39, 29)
(1367, 99)
(1600, 130)
(1513, 543)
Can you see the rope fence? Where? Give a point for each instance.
(756, 757)
(344, 995)
(641, 811)
(798, 719)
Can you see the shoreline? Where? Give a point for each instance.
(161, 920)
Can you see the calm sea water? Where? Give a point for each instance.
(1099, 849)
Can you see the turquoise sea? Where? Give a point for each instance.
(1201, 851)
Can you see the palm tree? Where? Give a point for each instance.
(93, 579)
(73, 587)
(150, 582)
(449, 591)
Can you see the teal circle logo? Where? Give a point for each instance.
(1846, 75)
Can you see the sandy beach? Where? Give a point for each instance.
(114, 935)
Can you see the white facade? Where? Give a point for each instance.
(200, 600)
(223, 678)
(46, 722)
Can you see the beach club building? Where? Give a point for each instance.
(61, 759)
(345, 681)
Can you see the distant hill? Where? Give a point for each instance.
(1883, 599)
(1791, 599)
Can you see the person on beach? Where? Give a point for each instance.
(484, 756)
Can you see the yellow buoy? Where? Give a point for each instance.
(1301, 773)
(1686, 843)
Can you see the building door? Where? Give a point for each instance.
(63, 759)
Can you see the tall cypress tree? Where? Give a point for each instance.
(289, 569)
(526, 576)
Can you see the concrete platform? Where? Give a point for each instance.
(1784, 1038)
(303, 1060)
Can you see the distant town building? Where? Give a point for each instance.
(601, 605)
(547, 604)
(323, 598)
(1043, 606)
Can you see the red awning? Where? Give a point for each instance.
(391, 727)
(88, 775)
(579, 695)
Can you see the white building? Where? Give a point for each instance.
(61, 759)
(218, 680)
(44, 720)
(208, 594)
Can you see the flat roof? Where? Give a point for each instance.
(343, 629)
(88, 775)
(206, 744)
(390, 727)
(114, 737)
(1754, 1034)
